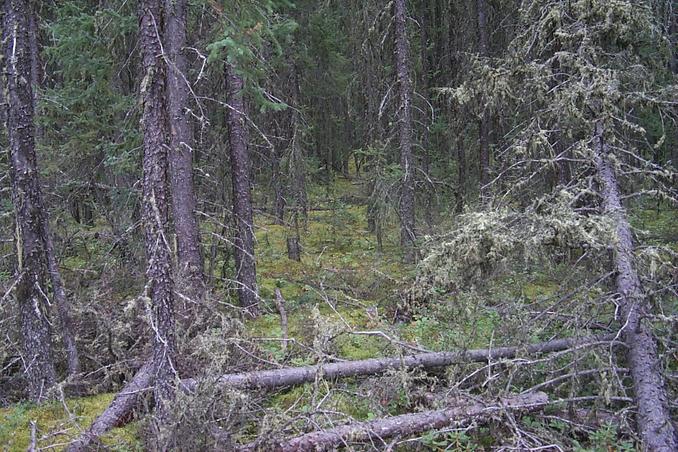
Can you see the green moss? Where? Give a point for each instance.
(56, 428)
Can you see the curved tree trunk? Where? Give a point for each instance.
(406, 208)
(246, 270)
(189, 256)
(654, 418)
(155, 202)
(28, 205)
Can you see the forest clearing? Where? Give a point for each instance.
(296, 225)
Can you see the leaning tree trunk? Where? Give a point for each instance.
(406, 208)
(155, 203)
(60, 299)
(653, 417)
(484, 123)
(28, 205)
(246, 270)
(189, 257)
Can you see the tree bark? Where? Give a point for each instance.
(155, 204)
(403, 426)
(189, 256)
(60, 299)
(653, 417)
(406, 207)
(484, 123)
(277, 378)
(246, 270)
(118, 412)
(28, 204)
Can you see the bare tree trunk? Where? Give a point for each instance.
(484, 123)
(406, 208)
(28, 205)
(60, 298)
(189, 256)
(246, 270)
(277, 378)
(155, 204)
(654, 418)
(271, 379)
(376, 431)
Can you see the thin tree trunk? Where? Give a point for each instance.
(403, 426)
(28, 205)
(429, 199)
(60, 298)
(189, 256)
(461, 175)
(653, 417)
(406, 208)
(484, 123)
(246, 270)
(155, 203)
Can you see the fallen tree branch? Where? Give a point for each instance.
(276, 378)
(399, 426)
(118, 411)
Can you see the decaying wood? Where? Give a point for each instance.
(654, 419)
(276, 378)
(125, 402)
(118, 412)
(402, 426)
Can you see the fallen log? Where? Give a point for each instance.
(276, 378)
(653, 418)
(374, 432)
(118, 411)
(125, 402)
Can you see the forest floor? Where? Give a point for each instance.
(341, 300)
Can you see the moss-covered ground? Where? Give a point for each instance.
(343, 286)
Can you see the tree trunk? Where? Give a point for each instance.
(461, 175)
(60, 298)
(406, 208)
(155, 203)
(28, 205)
(189, 256)
(246, 271)
(484, 123)
(271, 379)
(277, 378)
(118, 412)
(653, 417)
(374, 432)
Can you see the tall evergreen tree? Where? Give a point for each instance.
(31, 230)
(159, 280)
(403, 71)
(189, 256)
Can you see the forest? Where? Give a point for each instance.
(303, 225)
